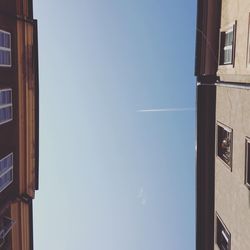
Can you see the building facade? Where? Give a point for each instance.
(223, 125)
(18, 123)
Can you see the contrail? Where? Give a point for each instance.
(167, 110)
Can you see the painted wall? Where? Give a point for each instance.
(237, 11)
(232, 197)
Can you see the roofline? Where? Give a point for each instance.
(36, 104)
(198, 36)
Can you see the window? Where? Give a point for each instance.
(5, 49)
(223, 237)
(225, 144)
(5, 226)
(247, 163)
(5, 105)
(227, 47)
(6, 171)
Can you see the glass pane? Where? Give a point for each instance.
(7, 40)
(229, 38)
(5, 180)
(228, 55)
(5, 97)
(1, 39)
(6, 163)
(5, 114)
(1, 57)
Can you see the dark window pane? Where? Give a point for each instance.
(1, 39)
(224, 145)
(223, 237)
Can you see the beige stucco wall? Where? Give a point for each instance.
(236, 10)
(232, 197)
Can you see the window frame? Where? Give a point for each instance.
(225, 232)
(229, 130)
(7, 49)
(6, 171)
(247, 162)
(10, 104)
(223, 47)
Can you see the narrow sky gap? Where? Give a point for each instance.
(124, 168)
(167, 110)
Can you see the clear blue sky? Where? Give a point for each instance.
(112, 178)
